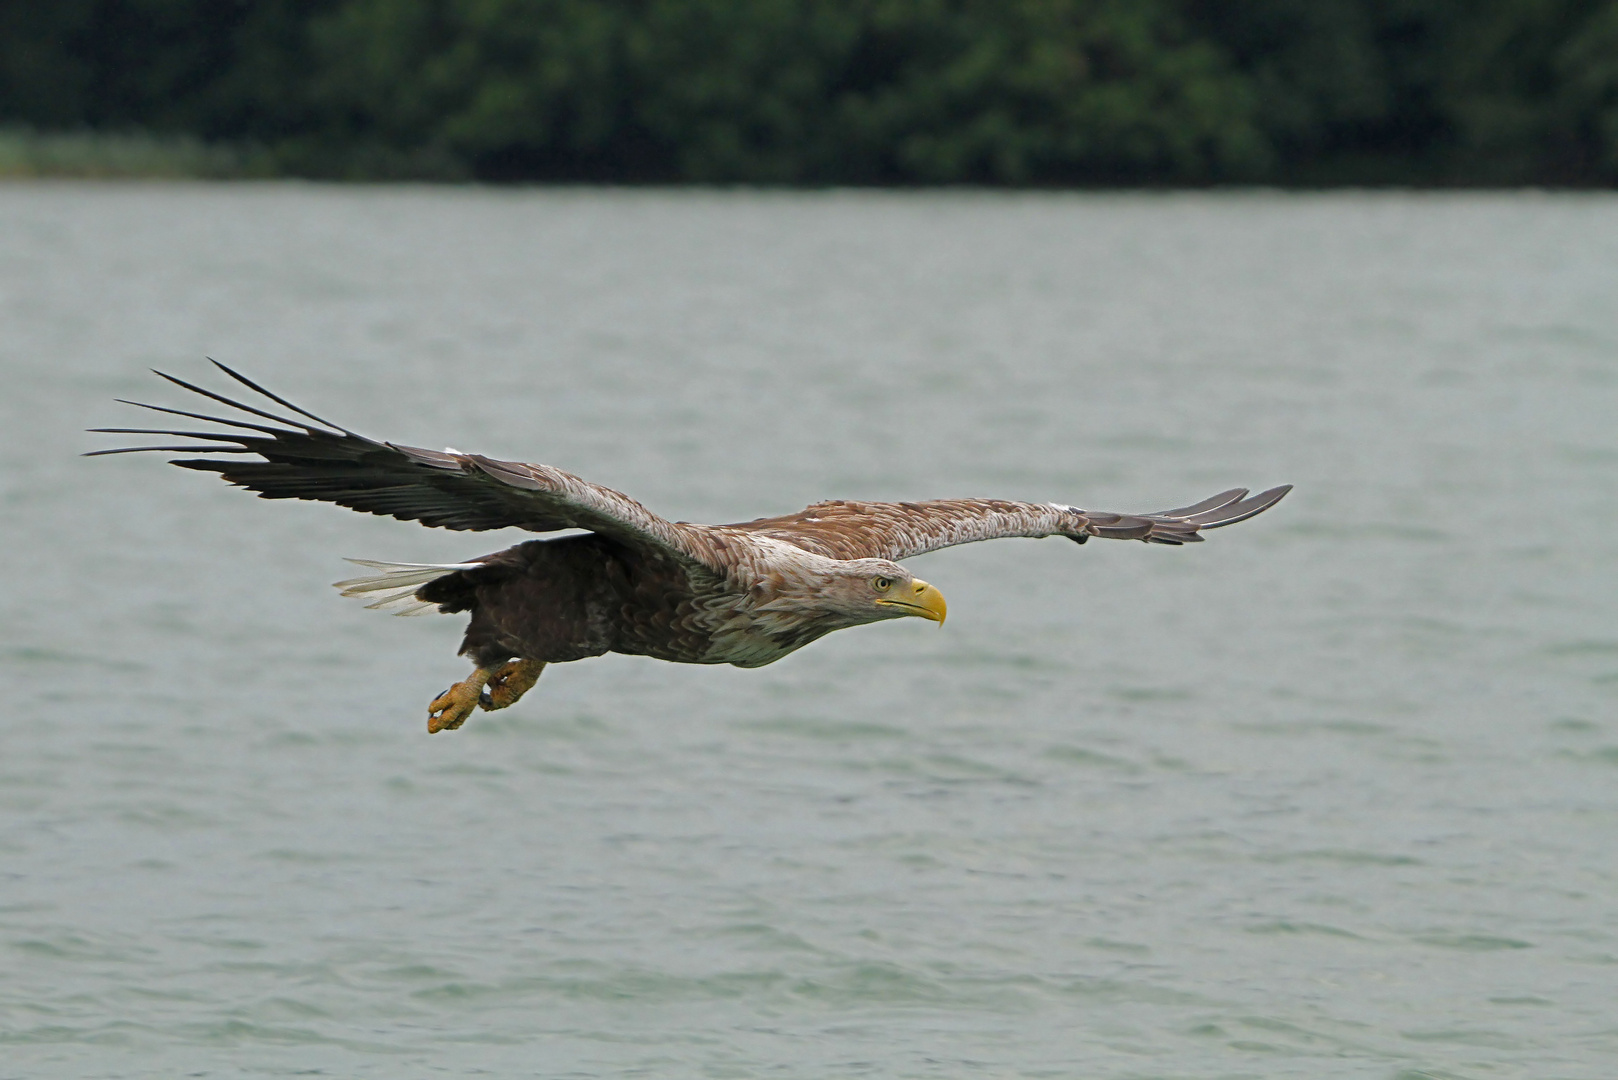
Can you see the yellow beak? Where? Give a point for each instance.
(919, 599)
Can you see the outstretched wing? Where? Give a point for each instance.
(448, 490)
(866, 530)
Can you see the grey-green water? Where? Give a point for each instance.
(1332, 795)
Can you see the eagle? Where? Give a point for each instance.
(625, 580)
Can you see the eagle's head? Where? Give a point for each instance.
(870, 590)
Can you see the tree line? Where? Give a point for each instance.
(892, 92)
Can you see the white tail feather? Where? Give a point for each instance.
(394, 589)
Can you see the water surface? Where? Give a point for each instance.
(1332, 795)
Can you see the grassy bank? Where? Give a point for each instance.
(27, 154)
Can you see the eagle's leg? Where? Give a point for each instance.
(450, 709)
(509, 682)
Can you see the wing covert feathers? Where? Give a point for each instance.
(314, 459)
(862, 530)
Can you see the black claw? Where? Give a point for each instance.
(485, 701)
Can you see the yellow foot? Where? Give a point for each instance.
(509, 682)
(450, 709)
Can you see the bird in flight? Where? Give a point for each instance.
(745, 594)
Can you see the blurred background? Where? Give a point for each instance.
(908, 92)
(1333, 795)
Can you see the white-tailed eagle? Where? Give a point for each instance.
(744, 594)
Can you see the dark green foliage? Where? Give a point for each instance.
(1014, 92)
(1430, 91)
(782, 91)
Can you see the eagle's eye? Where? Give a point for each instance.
(882, 584)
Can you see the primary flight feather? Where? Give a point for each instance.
(744, 594)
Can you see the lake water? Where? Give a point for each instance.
(1332, 795)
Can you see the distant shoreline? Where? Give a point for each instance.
(90, 155)
(26, 154)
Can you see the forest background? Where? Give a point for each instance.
(825, 92)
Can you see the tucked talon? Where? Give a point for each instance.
(450, 709)
(510, 682)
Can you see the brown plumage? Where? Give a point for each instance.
(745, 594)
